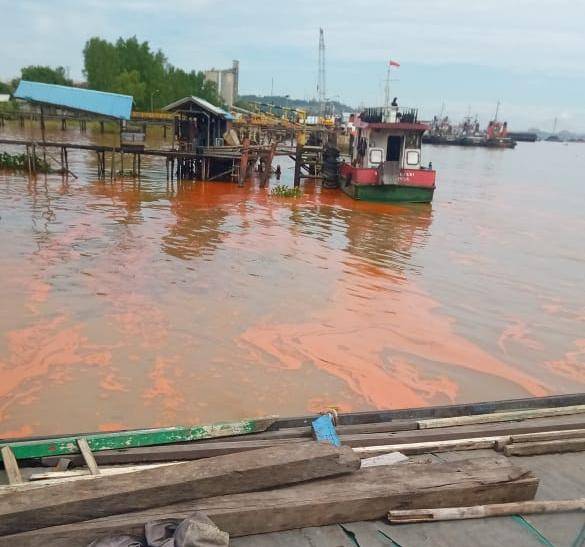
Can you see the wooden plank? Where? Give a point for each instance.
(502, 416)
(176, 452)
(482, 511)
(88, 456)
(478, 443)
(108, 495)
(11, 466)
(548, 436)
(76, 473)
(204, 449)
(364, 495)
(545, 447)
(144, 437)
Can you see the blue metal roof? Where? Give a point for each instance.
(100, 103)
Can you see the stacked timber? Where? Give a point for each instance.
(276, 478)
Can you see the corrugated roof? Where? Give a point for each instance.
(112, 105)
(202, 103)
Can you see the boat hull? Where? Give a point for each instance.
(388, 193)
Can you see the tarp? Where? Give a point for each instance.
(100, 103)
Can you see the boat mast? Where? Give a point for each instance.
(387, 90)
(497, 111)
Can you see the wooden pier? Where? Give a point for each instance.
(201, 164)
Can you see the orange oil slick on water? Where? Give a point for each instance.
(131, 305)
(372, 339)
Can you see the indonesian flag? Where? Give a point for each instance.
(393, 63)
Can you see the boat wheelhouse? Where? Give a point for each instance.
(386, 163)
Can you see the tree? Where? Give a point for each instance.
(5, 89)
(128, 83)
(45, 74)
(101, 64)
(131, 67)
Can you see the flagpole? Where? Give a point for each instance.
(388, 87)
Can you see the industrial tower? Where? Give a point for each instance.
(321, 88)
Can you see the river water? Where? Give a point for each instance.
(128, 305)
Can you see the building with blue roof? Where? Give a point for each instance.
(98, 103)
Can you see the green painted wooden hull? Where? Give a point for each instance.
(135, 438)
(389, 193)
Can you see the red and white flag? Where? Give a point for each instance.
(393, 63)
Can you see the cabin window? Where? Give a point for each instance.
(412, 157)
(376, 155)
(394, 148)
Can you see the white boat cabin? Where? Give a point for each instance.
(388, 138)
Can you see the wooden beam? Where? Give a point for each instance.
(502, 416)
(11, 466)
(482, 511)
(478, 443)
(208, 448)
(142, 437)
(88, 456)
(79, 500)
(545, 447)
(366, 494)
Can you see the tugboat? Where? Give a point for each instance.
(386, 163)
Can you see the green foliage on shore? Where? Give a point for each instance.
(18, 162)
(45, 74)
(283, 191)
(131, 67)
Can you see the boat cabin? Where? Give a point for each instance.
(388, 139)
(386, 157)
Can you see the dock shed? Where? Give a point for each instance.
(198, 123)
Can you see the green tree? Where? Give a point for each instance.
(128, 83)
(45, 74)
(130, 66)
(5, 88)
(101, 64)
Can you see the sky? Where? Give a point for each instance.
(465, 54)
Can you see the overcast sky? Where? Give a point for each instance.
(530, 54)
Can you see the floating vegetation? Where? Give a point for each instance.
(284, 191)
(19, 162)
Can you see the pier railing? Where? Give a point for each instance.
(390, 114)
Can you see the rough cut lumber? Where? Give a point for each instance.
(481, 511)
(88, 456)
(109, 495)
(11, 466)
(478, 443)
(205, 449)
(366, 494)
(502, 416)
(143, 437)
(76, 473)
(539, 437)
(548, 436)
(174, 452)
(545, 447)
